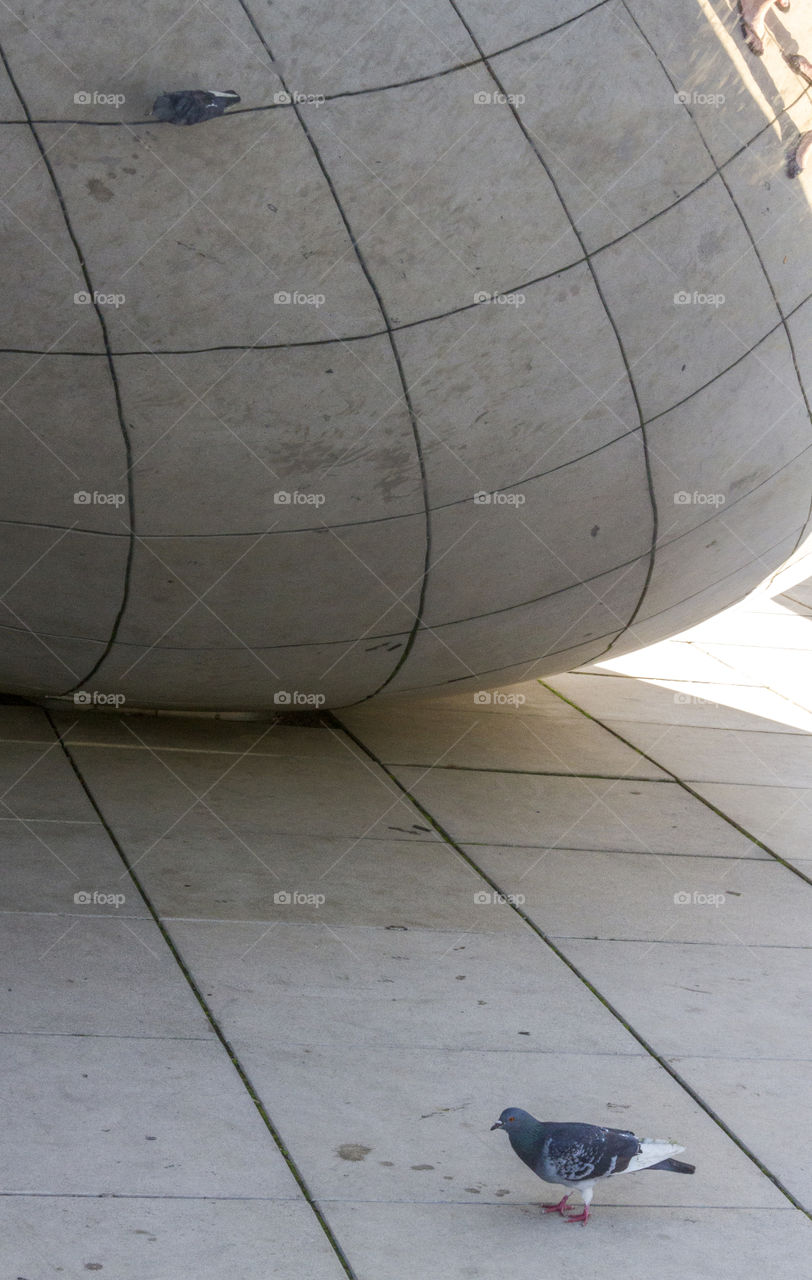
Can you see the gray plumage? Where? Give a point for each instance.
(578, 1155)
(193, 106)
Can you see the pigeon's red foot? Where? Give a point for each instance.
(583, 1216)
(561, 1207)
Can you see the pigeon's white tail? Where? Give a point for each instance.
(652, 1151)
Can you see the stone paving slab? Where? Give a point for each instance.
(550, 739)
(753, 1094)
(615, 700)
(301, 984)
(358, 1138)
(777, 815)
(587, 813)
(732, 1001)
(202, 870)
(633, 896)
(78, 975)
(514, 1242)
(145, 1238)
(108, 1116)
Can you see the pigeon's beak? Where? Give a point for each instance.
(498, 1125)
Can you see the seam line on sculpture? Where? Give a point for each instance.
(347, 339)
(411, 324)
(443, 506)
(418, 446)
(110, 368)
(544, 937)
(345, 93)
(748, 233)
(352, 93)
(207, 1010)
(607, 311)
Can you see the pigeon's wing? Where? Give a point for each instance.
(583, 1152)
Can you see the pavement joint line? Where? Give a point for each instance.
(659, 1058)
(134, 1195)
(737, 826)
(245, 1079)
(529, 773)
(777, 693)
(638, 853)
(104, 1035)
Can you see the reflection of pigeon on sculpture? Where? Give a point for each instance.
(799, 156)
(797, 159)
(193, 106)
(579, 1155)
(753, 13)
(800, 65)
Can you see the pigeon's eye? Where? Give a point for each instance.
(511, 1119)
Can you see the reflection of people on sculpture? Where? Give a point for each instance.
(753, 13)
(802, 67)
(799, 156)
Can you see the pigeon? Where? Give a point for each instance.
(753, 13)
(579, 1155)
(193, 106)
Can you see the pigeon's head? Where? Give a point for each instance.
(513, 1118)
